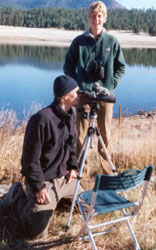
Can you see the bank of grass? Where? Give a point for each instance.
(133, 146)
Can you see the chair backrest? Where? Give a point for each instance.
(126, 180)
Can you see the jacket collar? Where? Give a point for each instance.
(89, 34)
(59, 112)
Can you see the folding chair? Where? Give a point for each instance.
(105, 198)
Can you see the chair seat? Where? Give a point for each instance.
(106, 201)
(107, 196)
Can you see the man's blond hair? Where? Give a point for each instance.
(98, 7)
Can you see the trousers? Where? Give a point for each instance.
(104, 120)
(34, 217)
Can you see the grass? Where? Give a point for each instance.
(133, 146)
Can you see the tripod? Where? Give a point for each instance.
(89, 141)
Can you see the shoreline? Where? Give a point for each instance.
(63, 38)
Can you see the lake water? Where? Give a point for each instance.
(27, 75)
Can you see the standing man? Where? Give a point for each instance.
(96, 57)
(49, 162)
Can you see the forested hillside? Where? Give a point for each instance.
(35, 4)
(121, 19)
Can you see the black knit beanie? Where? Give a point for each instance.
(63, 85)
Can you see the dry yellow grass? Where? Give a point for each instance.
(134, 142)
(133, 146)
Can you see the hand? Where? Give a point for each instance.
(100, 90)
(42, 196)
(71, 175)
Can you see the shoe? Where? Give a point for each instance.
(9, 199)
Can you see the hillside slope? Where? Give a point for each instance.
(29, 4)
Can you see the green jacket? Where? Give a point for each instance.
(84, 50)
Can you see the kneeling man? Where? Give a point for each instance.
(49, 162)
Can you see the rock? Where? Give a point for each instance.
(4, 188)
(147, 114)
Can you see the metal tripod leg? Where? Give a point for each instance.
(87, 142)
(106, 151)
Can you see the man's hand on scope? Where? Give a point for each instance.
(100, 90)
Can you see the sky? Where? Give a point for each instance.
(138, 4)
